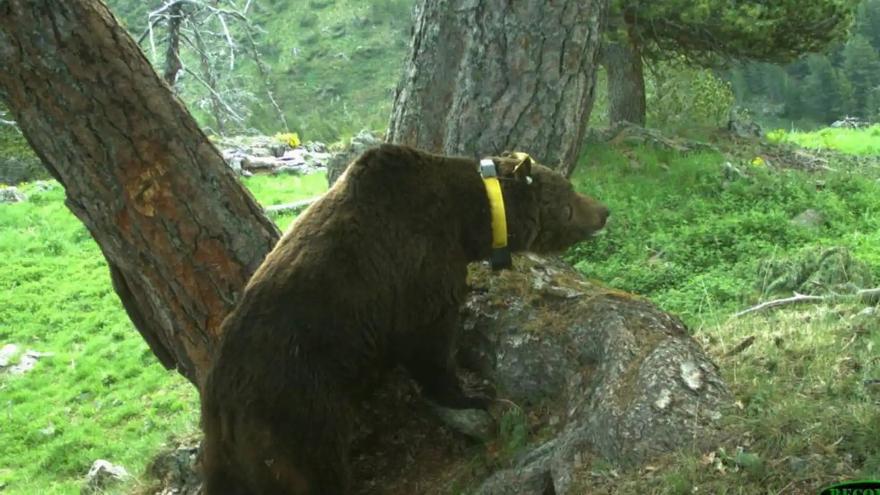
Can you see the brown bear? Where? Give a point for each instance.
(369, 277)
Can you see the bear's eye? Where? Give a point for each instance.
(569, 212)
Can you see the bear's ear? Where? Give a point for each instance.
(523, 168)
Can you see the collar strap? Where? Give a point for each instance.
(500, 252)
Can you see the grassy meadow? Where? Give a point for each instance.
(101, 394)
(854, 141)
(699, 241)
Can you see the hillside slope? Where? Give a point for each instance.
(333, 64)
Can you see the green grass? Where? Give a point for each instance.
(853, 141)
(803, 419)
(102, 394)
(692, 239)
(683, 233)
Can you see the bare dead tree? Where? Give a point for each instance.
(172, 53)
(207, 33)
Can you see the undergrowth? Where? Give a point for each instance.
(692, 237)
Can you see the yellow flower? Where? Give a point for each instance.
(290, 138)
(758, 161)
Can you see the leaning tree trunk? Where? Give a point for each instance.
(626, 82)
(487, 76)
(179, 232)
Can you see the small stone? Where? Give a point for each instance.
(474, 423)
(44, 185)
(868, 312)
(809, 218)
(102, 474)
(28, 361)
(6, 354)
(11, 195)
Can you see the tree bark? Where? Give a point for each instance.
(626, 82)
(180, 234)
(487, 76)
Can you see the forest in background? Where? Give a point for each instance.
(818, 88)
(333, 66)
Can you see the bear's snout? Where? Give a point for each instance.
(594, 215)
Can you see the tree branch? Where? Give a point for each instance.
(868, 295)
(295, 207)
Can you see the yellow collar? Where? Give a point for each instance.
(500, 252)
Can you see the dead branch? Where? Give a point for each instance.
(295, 207)
(216, 98)
(264, 73)
(865, 295)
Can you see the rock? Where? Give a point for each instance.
(363, 141)
(44, 185)
(234, 158)
(6, 354)
(473, 423)
(869, 312)
(11, 195)
(246, 155)
(28, 361)
(809, 218)
(101, 475)
(850, 123)
(630, 380)
(174, 472)
(744, 128)
(316, 147)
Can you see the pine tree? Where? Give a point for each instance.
(861, 69)
(821, 94)
(868, 22)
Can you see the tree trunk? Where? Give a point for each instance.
(172, 52)
(620, 379)
(626, 82)
(486, 76)
(180, 234)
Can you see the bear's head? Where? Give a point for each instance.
(544, 212)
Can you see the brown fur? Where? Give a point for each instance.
(370, 277)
